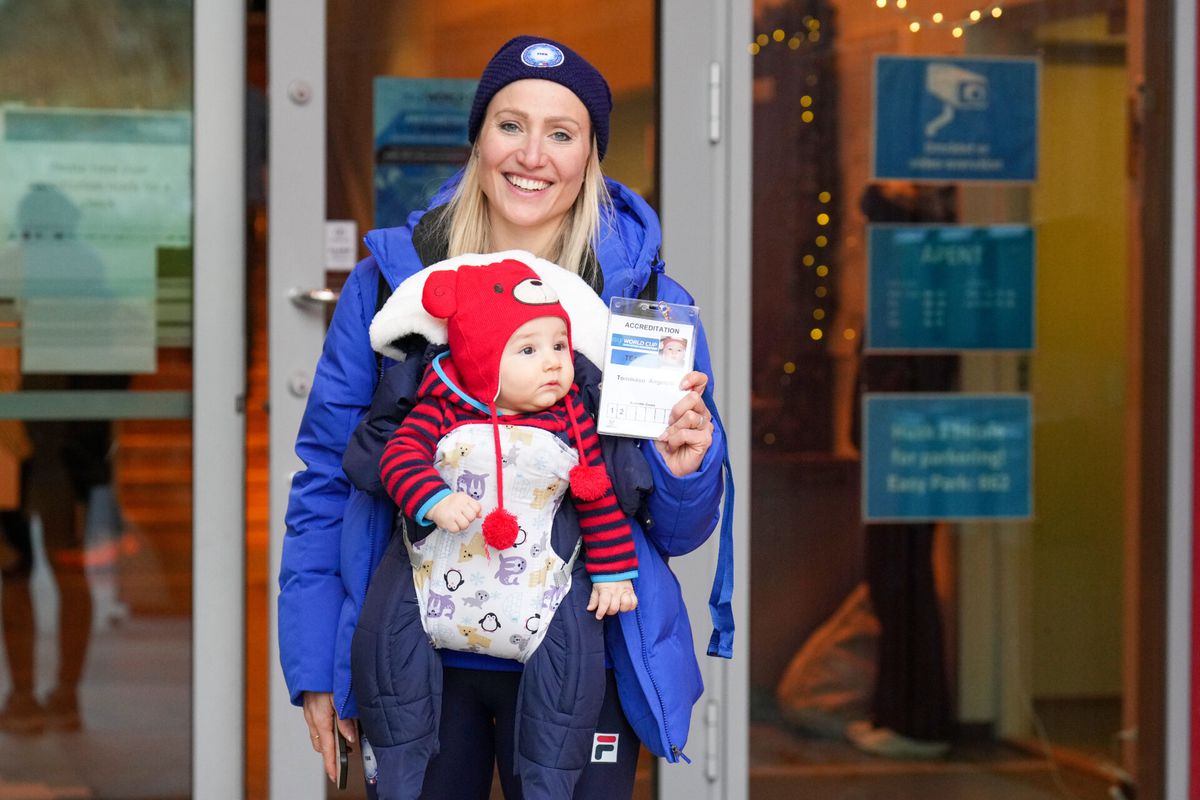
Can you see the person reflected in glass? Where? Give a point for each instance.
(65, 462)
(911, 711)
(539, 128)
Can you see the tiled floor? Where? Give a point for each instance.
(785, 765)
(136, 740)
(136, 744)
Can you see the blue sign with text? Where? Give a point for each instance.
(956, 119)
(420, 141)
(947, 287)
(943, 457)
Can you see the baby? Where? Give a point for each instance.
(500, 409)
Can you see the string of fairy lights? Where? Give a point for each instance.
(936, 20)
(917, 22)
(810, 32)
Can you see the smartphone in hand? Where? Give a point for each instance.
(342, 762)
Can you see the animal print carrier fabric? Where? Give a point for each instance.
(481, 600)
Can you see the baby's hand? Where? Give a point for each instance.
(455, 512)
(609, 598)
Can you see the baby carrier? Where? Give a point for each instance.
(481, 600)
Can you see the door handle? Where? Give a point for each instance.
(310, 298)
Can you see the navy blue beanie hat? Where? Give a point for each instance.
(545, 59)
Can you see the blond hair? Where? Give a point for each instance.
(469, 231)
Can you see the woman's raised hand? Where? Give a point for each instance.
(689, 434)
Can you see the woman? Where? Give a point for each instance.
(539, 126)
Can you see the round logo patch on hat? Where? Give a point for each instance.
(542, 54)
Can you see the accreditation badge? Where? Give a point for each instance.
(651, 345)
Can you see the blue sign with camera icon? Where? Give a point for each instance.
(955, 119)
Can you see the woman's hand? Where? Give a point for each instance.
(318, 713)
(689, 434)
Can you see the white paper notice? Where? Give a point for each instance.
(341, 244)
(89, 202)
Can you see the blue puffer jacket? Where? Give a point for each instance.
(397, 675)
(337, 534)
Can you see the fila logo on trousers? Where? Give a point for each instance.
(604, 748)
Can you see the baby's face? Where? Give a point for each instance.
(536, 368)
(672, 352)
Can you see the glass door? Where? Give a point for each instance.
(933, 624)
(340, 78)
(111, 596)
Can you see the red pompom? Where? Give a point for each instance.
(589, 483)
(500, 529)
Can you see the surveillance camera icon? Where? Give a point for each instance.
(958, 89)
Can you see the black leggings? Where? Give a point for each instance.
(478, 711)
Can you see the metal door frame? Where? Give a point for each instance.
(705, 88)
(295, 247)
(705, 179)
(218, 397)
(1182, 775)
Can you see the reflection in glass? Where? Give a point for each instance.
(932, 639)
(89, 200)
(95, 296)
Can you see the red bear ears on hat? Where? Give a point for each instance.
(439, 297)
(443, 287)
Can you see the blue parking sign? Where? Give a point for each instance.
(955, 119)
(929, 457)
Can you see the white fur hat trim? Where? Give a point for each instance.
(404, 313)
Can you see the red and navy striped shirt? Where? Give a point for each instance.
(410, 478)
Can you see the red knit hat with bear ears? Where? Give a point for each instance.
(483, 306)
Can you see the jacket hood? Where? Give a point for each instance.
(630, 243)
(628, 246)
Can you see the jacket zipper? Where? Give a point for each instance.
(370, 560)
(366, 583)
(656, 265)
(675, 751)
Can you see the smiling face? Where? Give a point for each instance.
(533, 152)
(536, 368)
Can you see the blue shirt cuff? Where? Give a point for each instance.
(430, 503)
(620, 576)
